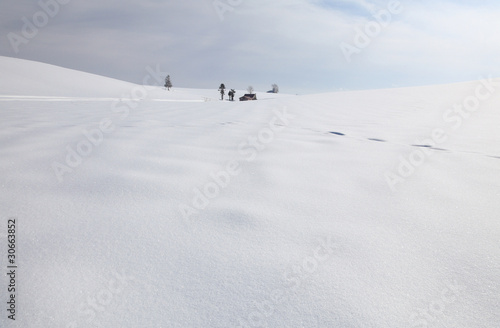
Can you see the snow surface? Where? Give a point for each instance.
(303, 230)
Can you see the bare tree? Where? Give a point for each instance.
(275, 88)
(250, 89)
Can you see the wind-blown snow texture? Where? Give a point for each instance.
(346, 212)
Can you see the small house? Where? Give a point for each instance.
(249, 96)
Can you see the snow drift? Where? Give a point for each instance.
(352, 209)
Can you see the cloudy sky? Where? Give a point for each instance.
(305, 46)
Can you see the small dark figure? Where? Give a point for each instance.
(168, 83)
(231, 94)
(221, 89)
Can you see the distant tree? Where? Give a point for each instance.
(275, 88)
(250, 89)
(168, 83)
(221, 89)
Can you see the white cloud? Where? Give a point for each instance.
(294, 43)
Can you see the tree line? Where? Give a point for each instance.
(222, 88)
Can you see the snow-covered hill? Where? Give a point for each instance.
(136, 207)
(28, 80)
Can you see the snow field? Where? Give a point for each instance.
(305, 232)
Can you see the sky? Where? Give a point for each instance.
(304, 46)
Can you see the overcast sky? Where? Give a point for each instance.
(294, 43)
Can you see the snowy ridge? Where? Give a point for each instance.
(38, 98)
(32, 80)
(351, 209)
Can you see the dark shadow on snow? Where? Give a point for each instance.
(422, 146)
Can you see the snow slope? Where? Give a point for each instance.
(28, 80)
(352, 209)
